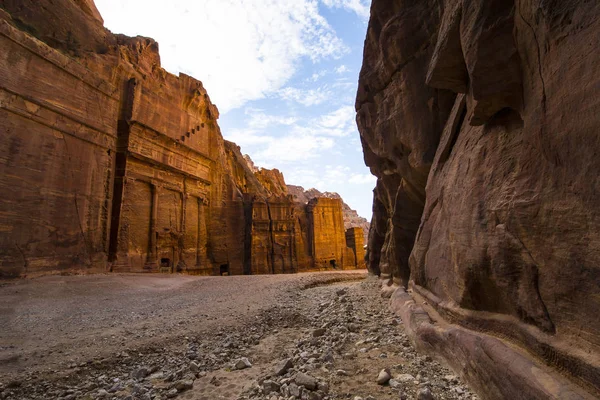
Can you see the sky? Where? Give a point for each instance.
(283, 74)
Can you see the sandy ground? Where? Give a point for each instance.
(165, 336)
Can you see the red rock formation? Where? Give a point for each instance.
(355, 242)
(112, 163)
(351, 217)
(480, 120)
(327, 233)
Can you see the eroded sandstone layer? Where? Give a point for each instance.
(480, 120)
(109, 162)
(351, 217)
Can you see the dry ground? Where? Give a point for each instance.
(174, 336)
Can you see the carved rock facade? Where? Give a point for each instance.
(111, 163)
(351, 217)
(480, 120)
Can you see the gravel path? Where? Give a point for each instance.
(260, 337)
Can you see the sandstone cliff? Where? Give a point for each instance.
(480, 120)
(110, 163)
(351, 217)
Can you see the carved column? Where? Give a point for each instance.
(181, 265)
(151, 260)
(199, 232)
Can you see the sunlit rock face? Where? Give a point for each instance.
(480, 120)
(110, 163)
(351, 217)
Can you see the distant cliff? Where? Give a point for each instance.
(351, 217)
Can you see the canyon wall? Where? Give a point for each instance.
(110, 163)
(480, 120)
(351, 217)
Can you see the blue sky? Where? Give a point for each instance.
(283, 74)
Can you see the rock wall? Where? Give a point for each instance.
(110, 163)
(57, 156)
(480, 120)
(354, 242)
(351, 217)
(327, 233)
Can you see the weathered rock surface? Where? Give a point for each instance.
(480, 121)
(351, 217)
(109, 162)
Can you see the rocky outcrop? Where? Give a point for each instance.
(351, 217)
(110, 163)
(480, 121)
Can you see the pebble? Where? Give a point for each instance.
(319, 332)
(404, 378)
(183, 385)
(306, 380)
(242, 363)
(339, 342)
(424, 394)
(383, 377)
(270, 386)
(283, 366)
(395, 384)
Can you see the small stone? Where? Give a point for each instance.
(314, 396)
(424, 394)
(183, 385)
(306, 380)
(283, 366)
(404, 378)
(194, 368)
(383, 377)
(319, 332)
(341, 372)
(242, 363)
(140, 373)
(295, 390)
(395, 384)
(323, 387)
(270, 386)
(157, 376)
(115, 388)
(172, 393)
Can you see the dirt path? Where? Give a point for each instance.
(158, 337)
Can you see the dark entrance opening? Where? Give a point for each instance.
(333, 264)
(224, 270)
(165, 263)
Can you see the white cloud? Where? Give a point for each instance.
(260, 120)
(323, 180)
(343, 118)
(329, 177)
(341, 69)
(291, 148)
(360, 7)
(241, 50)
(306, 97)
(280, 139)
(317, 75)
(362, 179)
